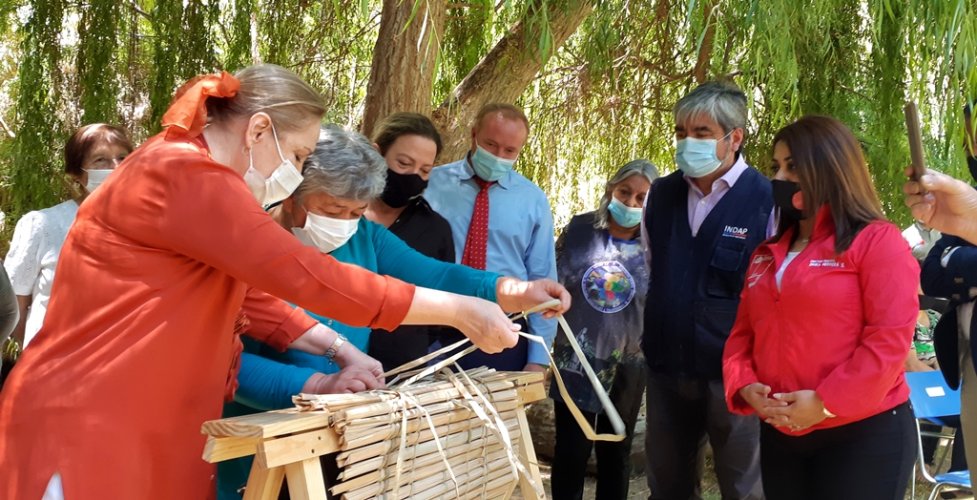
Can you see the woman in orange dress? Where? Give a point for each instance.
(136, 346)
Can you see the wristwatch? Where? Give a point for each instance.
(334, 348)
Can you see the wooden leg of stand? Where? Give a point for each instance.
(305, 481)
(528, 457)
(264, 483)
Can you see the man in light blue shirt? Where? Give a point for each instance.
(517, 238)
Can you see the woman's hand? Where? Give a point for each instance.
(802, 410)
(480, 320)
(516, 295)
(943, 203)
(348, 380)
(486, 325)
(757, 396)
(318, 339)
(349, 356)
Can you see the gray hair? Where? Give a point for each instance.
(722, 101)
(344, 165)
(634, 167)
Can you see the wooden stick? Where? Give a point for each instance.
(363, 437)
(479, 443)
(435, 483)
(447, 442)
(305, 481)
(386, 474)
(498, 484)
(264, 483)
(268, 424)
(470, 428)
(439, 396)
(389, 471)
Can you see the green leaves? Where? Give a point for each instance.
(603, 98)
(35, 150)
(98, 76)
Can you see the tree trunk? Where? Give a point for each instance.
(402, 72)
(504, 73)
(705, 50)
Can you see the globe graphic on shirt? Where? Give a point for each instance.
(608, 286)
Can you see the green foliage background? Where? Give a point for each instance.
(603, 98)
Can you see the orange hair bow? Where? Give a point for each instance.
(187, 114)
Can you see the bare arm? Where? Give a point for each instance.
(480, 320)
(23, 306)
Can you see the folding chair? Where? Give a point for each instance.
(932, 399)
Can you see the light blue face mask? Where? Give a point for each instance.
(625, 216)
(488, 166)
(697, 157)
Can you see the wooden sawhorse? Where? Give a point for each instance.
(287, 445)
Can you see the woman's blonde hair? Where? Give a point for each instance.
(290, 102)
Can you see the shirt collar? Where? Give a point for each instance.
(729, 178)
(824, 227)
(469, 172)
(418, 203)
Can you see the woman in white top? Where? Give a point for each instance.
(90, 155)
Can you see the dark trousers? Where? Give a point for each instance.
(871, 458)
(573, 449)
(682, 414)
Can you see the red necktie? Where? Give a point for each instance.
(476, 243)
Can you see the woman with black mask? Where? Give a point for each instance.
(824, 326)
(410, 143)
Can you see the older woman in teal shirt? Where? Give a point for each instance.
(340, 179)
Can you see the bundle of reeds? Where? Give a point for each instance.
(444, 435)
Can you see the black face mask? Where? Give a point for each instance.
(783, 198)
(401, 188)
(972, 165)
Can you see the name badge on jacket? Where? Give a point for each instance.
(734, 232)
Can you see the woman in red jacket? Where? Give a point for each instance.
(824, 326)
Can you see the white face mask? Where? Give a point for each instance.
(96, 177)
(326, 233)
(280, 185)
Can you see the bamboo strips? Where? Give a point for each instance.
(365, 436)
(433, 438)
(451, 441)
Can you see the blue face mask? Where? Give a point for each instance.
(625, 216)
(488, 166)
(697, 157)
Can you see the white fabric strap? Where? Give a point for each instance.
(588, 430)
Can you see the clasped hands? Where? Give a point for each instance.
(796, 410)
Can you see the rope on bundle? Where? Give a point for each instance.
(433, 433)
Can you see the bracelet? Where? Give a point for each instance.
(334, 348)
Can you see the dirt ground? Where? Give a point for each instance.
(639, 489)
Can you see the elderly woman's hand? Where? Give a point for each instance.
(943, 203)
(349, 356)
(352, 379)
(516, 295)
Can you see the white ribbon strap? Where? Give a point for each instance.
(602, 396)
